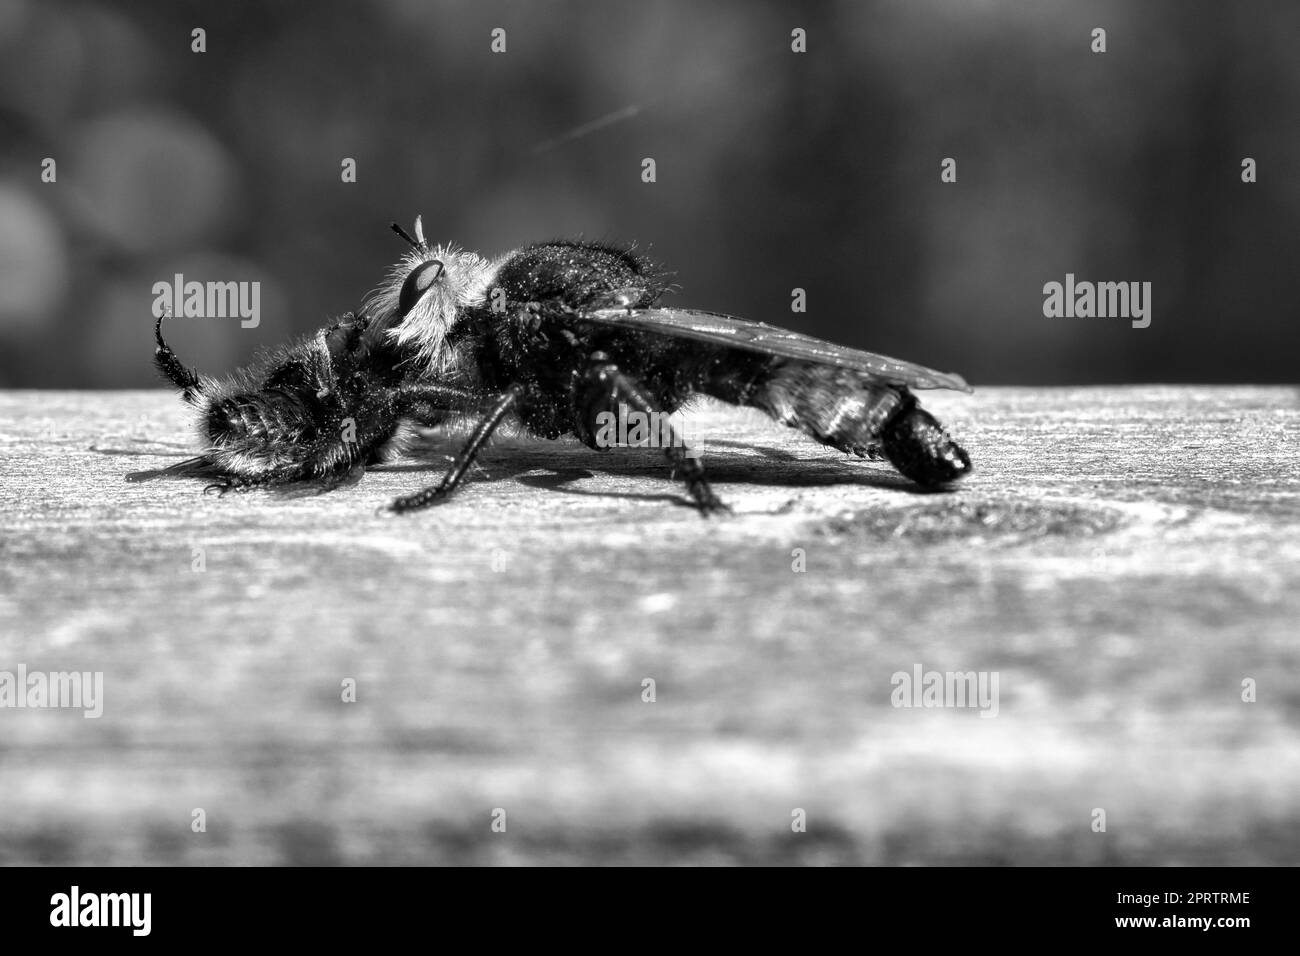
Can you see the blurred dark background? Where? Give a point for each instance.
(775, 170)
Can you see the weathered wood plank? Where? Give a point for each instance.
(1123, 558)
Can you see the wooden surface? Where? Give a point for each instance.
(1122, 557)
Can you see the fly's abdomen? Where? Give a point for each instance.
(853, 412)
(838, 407)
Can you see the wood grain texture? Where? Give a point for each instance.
(1122, 557)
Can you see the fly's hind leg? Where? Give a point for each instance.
(871, 451)
(604, 385)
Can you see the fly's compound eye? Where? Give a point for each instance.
(422, 278)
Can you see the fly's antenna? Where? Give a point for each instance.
(418, 242)
(404, 234)
(171, 367)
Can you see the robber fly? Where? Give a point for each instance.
(551, 336)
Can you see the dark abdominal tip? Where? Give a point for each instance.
(962, 460)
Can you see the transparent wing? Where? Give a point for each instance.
(772, 340)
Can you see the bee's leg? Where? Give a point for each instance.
(482, 432)
(228, 483)
(605, 385)
(172, 368)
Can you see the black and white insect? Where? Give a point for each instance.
(552, 336)
(319, 411)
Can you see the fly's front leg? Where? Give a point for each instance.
(604, 386)
(482, 432)
(429, 403)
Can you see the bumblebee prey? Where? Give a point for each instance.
(553, 336)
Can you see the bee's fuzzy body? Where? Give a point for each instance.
(319, 410)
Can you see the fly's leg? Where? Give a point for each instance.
(429, 403)
(871, 452)
(604, 386)
(482, 432)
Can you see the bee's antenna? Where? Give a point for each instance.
(416, 242)
(171, 367)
